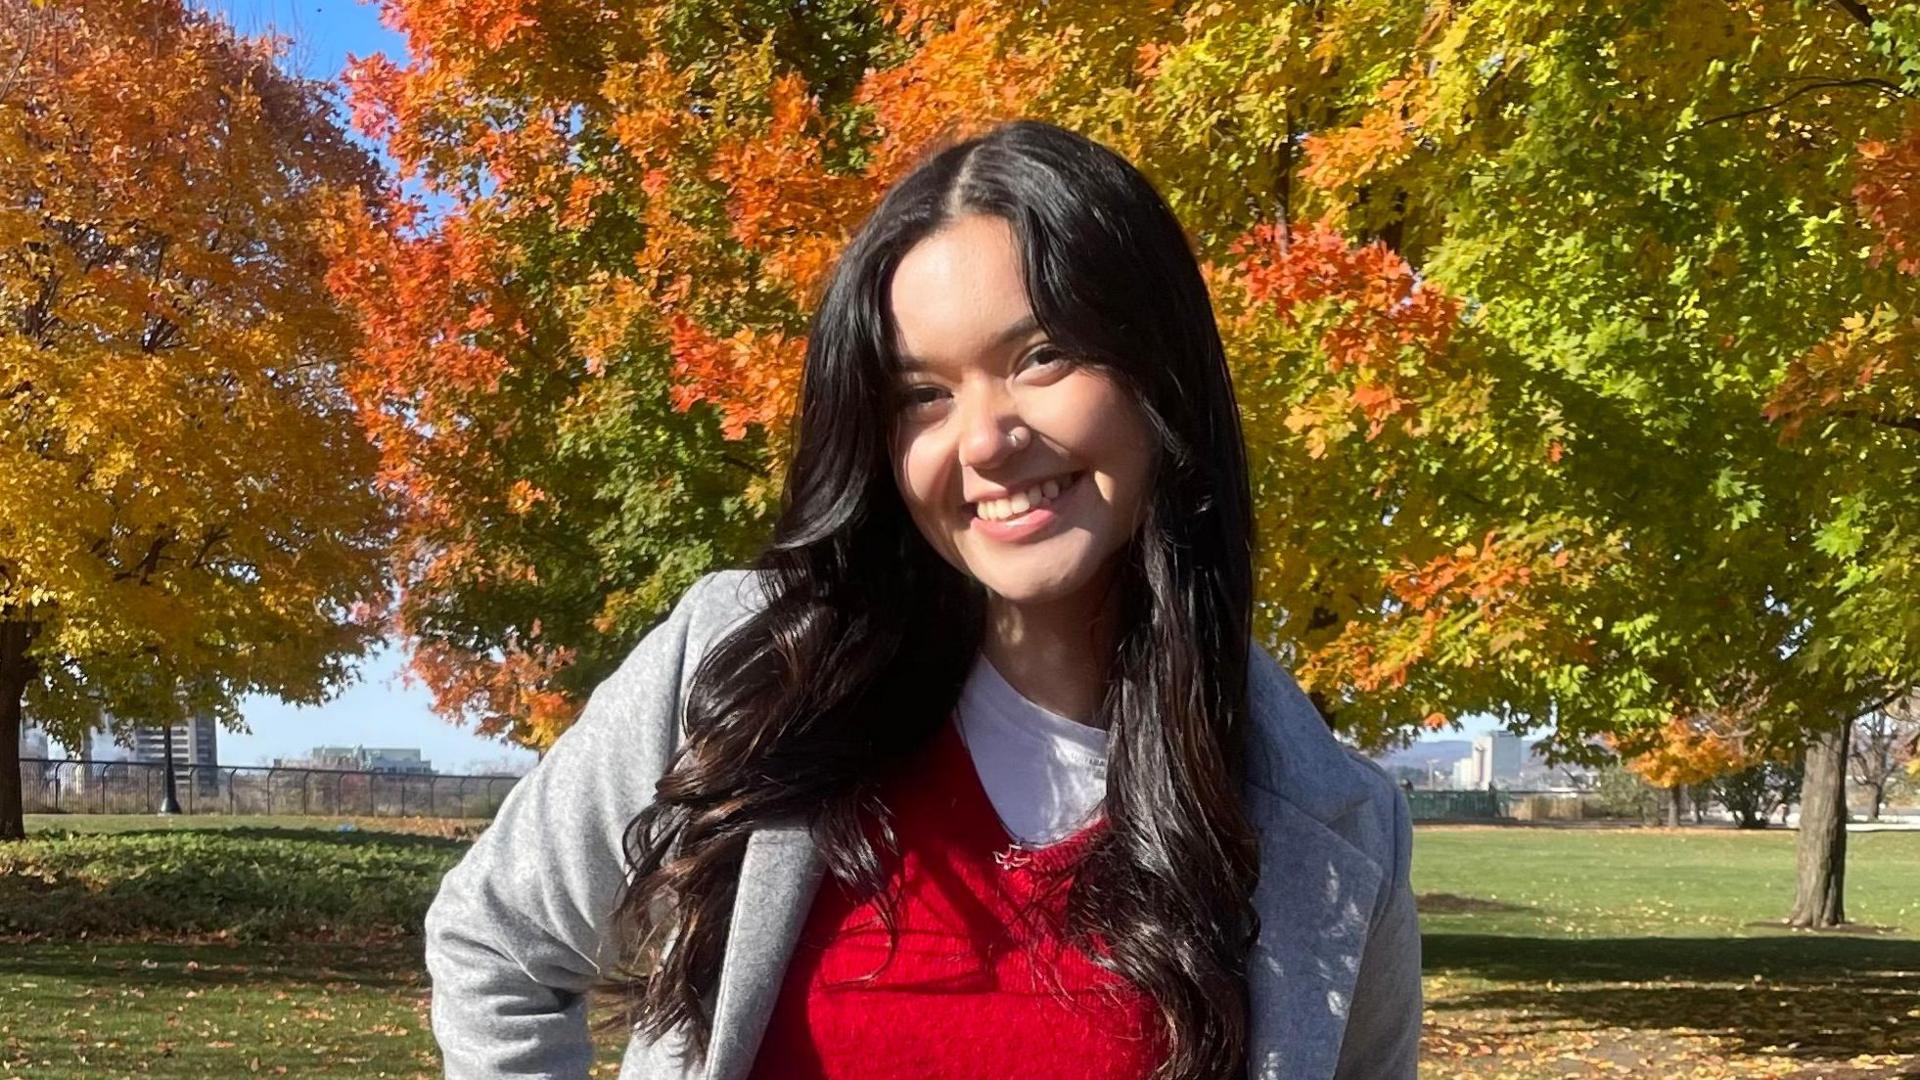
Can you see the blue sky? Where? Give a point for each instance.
(379, 709)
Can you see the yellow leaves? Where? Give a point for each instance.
(178, 472)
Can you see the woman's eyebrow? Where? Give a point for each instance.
(1020, 328)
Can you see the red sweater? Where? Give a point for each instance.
(981, 985)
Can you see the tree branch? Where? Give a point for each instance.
(149, 562)
(1883, 85)
(212, 539)
(1908, 423)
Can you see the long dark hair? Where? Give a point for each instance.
(867, 633)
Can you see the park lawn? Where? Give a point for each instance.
(289, 949)
(1648, 952)
(73, 1009)
(453, 828)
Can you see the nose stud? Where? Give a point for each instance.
(1017, 438)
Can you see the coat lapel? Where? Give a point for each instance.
(778, 876)
(1314, 897)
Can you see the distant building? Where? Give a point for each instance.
(195, 743)
(1496, 758)
(33, 742)
(381, 759)
(196, 752)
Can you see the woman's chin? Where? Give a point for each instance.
(1035, 579)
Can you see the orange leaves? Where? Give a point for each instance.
(1344, 157)
(1382, 335)
(780, 198)
(1888, 197)
(646, 102)
(512, 697)
(1490, 574)
(1386, 306)
(523, 496)
(1465, 607)
(957, 81)
(1869, 367)
(751, 376)
(1148, 56)
(372, 85)
(1686, 751)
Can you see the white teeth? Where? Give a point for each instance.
(1019, 502)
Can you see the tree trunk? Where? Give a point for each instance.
(1879, 798)
(1676, 806)
(1821, 846)
(15, 669)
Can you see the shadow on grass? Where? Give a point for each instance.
(316, 835)
(1806, 996)
(169, 966)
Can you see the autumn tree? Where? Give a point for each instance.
(579, 371)
(1687, 754)
(186, 507)
(1668, 213)
(1542, 318)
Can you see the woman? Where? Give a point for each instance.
(978, 773)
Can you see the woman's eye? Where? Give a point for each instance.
(914, 397)
(1048, 358)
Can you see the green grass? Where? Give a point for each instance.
(1586, 883)
(238, 882)
(40, 824)
(98, 1010)
(1552, 952)
(215, 947)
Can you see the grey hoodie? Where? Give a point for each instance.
(517, 931)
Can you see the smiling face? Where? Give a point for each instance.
(974, 367)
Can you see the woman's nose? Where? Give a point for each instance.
(984, 424)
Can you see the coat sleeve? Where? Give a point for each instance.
(1382, 1039)
(515, 934)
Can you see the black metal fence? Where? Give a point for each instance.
(130, 787)
(1503, 805)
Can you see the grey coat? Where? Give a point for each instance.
(515, 936)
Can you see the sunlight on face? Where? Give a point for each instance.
(973, 368)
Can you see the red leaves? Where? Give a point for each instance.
(1382, 333)
(1888, 197)
(1384, 303)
